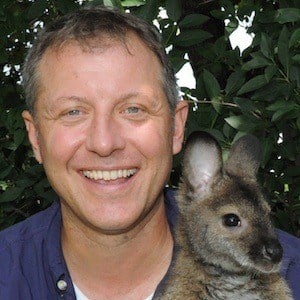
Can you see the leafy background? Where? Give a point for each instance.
(256, 92)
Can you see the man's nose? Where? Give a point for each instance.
(104, 136)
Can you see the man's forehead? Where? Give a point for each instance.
(71, 59)
(131, 46)
(130, 42)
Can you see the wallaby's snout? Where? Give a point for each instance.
(267, 254)
(272, 251)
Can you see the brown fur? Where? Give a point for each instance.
(211, 259)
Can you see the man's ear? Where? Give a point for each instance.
(180, 116)
(32, 134)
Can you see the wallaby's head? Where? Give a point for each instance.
(226, 216)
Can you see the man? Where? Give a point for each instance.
(104, 120)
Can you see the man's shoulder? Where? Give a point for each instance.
(290, 268)
(285, 238)
(28, 251)
(291, 247)
(27, 229)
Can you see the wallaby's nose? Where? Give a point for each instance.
(272, 251)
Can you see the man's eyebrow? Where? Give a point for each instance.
(72, 98)
(59, 101)
(151, 99)
(124, 96)
(127, 96)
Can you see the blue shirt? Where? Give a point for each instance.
(32, 265)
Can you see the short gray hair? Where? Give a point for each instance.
(92, 24)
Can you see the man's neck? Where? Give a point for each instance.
(125, 266)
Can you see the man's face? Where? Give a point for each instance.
(104, 132)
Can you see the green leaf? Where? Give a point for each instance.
(177, 63)
(191, 37)
(40, 186)
(66, 6)
(2, 16)
(37, 9)
(231, 26)
(296, 58)
(193, 20)
(168, 33)
(288, 150)
(218, 14)
(131, 3)
(298, 123)
(293, 172)
(220, 46)
(270, 71)
(24, 183)
(211, 84)
(295, 73)
(286, 15)
(228, 6)
(246, 105)
(11, 194)
(174, 9)
(266, 16)
(255, 63)
(253, 84)
(111, 3)
(240, 123)
(295, 38)
(234, 82)
(280, 113)
(217, 104)
(49, 195)
(4, 56)
(265, 46)
(93, 3)
(267, 149)
(216, 133)
(19, 137)
(273, 90)
(5, 170)
(279, 105)
(149, 11)
(283, 50)
(280, 108)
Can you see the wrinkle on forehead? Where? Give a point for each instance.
(100, 44)
(130, 43)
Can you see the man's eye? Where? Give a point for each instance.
(73, 112)
(135, 113)
(132, 110)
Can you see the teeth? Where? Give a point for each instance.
(109, 175)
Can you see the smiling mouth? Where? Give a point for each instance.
(109, 175)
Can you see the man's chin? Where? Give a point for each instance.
(128, 224)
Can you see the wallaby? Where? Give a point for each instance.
(225, 245)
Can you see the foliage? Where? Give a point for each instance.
(256, 92)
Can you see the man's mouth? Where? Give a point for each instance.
(109, 175)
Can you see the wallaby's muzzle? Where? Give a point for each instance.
(267, 255)
(272, 251)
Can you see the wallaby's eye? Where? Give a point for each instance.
(231, 220)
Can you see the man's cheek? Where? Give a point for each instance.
(62, 143)
(153, 139)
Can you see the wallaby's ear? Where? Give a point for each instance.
(244, 157)
(202, 162)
